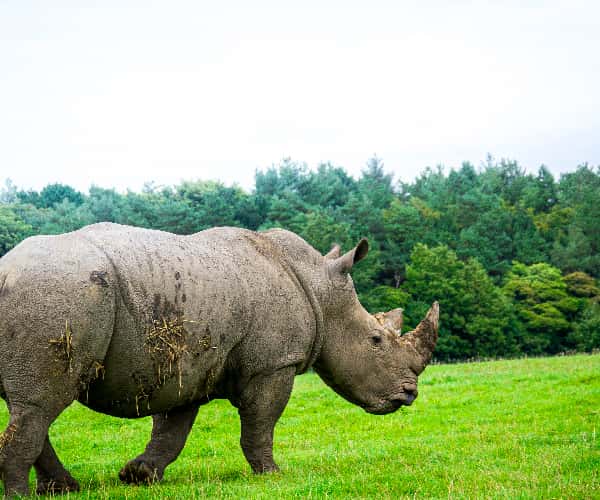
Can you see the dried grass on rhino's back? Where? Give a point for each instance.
(166, 340)
(7, 436)
(66, 342)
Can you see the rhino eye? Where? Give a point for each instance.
(376, 339)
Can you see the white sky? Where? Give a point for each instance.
(122, 92)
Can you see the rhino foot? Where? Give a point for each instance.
(139, 472)
(57, 487)
(264, 468)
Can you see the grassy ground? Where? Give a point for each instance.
(519, 429)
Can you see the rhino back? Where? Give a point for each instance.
(194, 315)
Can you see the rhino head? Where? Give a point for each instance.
(364, 358)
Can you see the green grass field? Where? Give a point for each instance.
(506, 429)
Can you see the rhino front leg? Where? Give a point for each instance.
(261, 404)
(52, 477)
(169, 433)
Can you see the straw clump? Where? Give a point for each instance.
(65, 344)
(7, 436)
(166, 340)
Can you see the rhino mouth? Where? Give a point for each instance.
(390, 405)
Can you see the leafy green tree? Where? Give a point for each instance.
(286, 210)
(251, 210)
(66, 216)
(210, 203)
(575, 251)
(429, 186)
(51, 195)
(321, 230)
(580, 284)
(376, 184)
(579, 187)
(489, 241)
(328, 187)
(507, 179)
(30, 197)
(106, 205)
(543, 305)
(578, 247)
(142, 209)
(177, 215)
(540, 194)
(586, 332)
(288, 176)
(12, 229)
(404, 225)
(476, 318)
(383, 298)
(528, 244)
(8, 194)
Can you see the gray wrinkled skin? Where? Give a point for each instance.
(134, 322)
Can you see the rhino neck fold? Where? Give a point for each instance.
(317, 344)
(289, 254)
(306, 288)
(315, 349)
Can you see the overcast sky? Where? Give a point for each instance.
(120, 93)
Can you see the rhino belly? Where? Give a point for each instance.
(154, 366)
(143, 393)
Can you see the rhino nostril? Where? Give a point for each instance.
(410, 394)
(410, 389)
(405, 398)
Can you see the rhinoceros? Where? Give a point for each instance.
(133, 322)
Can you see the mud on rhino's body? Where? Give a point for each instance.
(133, 322)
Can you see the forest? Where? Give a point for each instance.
(512, 257)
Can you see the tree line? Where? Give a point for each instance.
(512, 257)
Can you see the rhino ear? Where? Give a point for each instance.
(344, 263)
(334, 253)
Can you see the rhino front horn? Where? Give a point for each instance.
(424, 337)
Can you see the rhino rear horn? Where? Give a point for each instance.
(392, 319)
(424, 337)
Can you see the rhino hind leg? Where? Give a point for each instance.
(260, 405)
(21, 445)
(35, 400)
(169, 434)
(52, 477)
